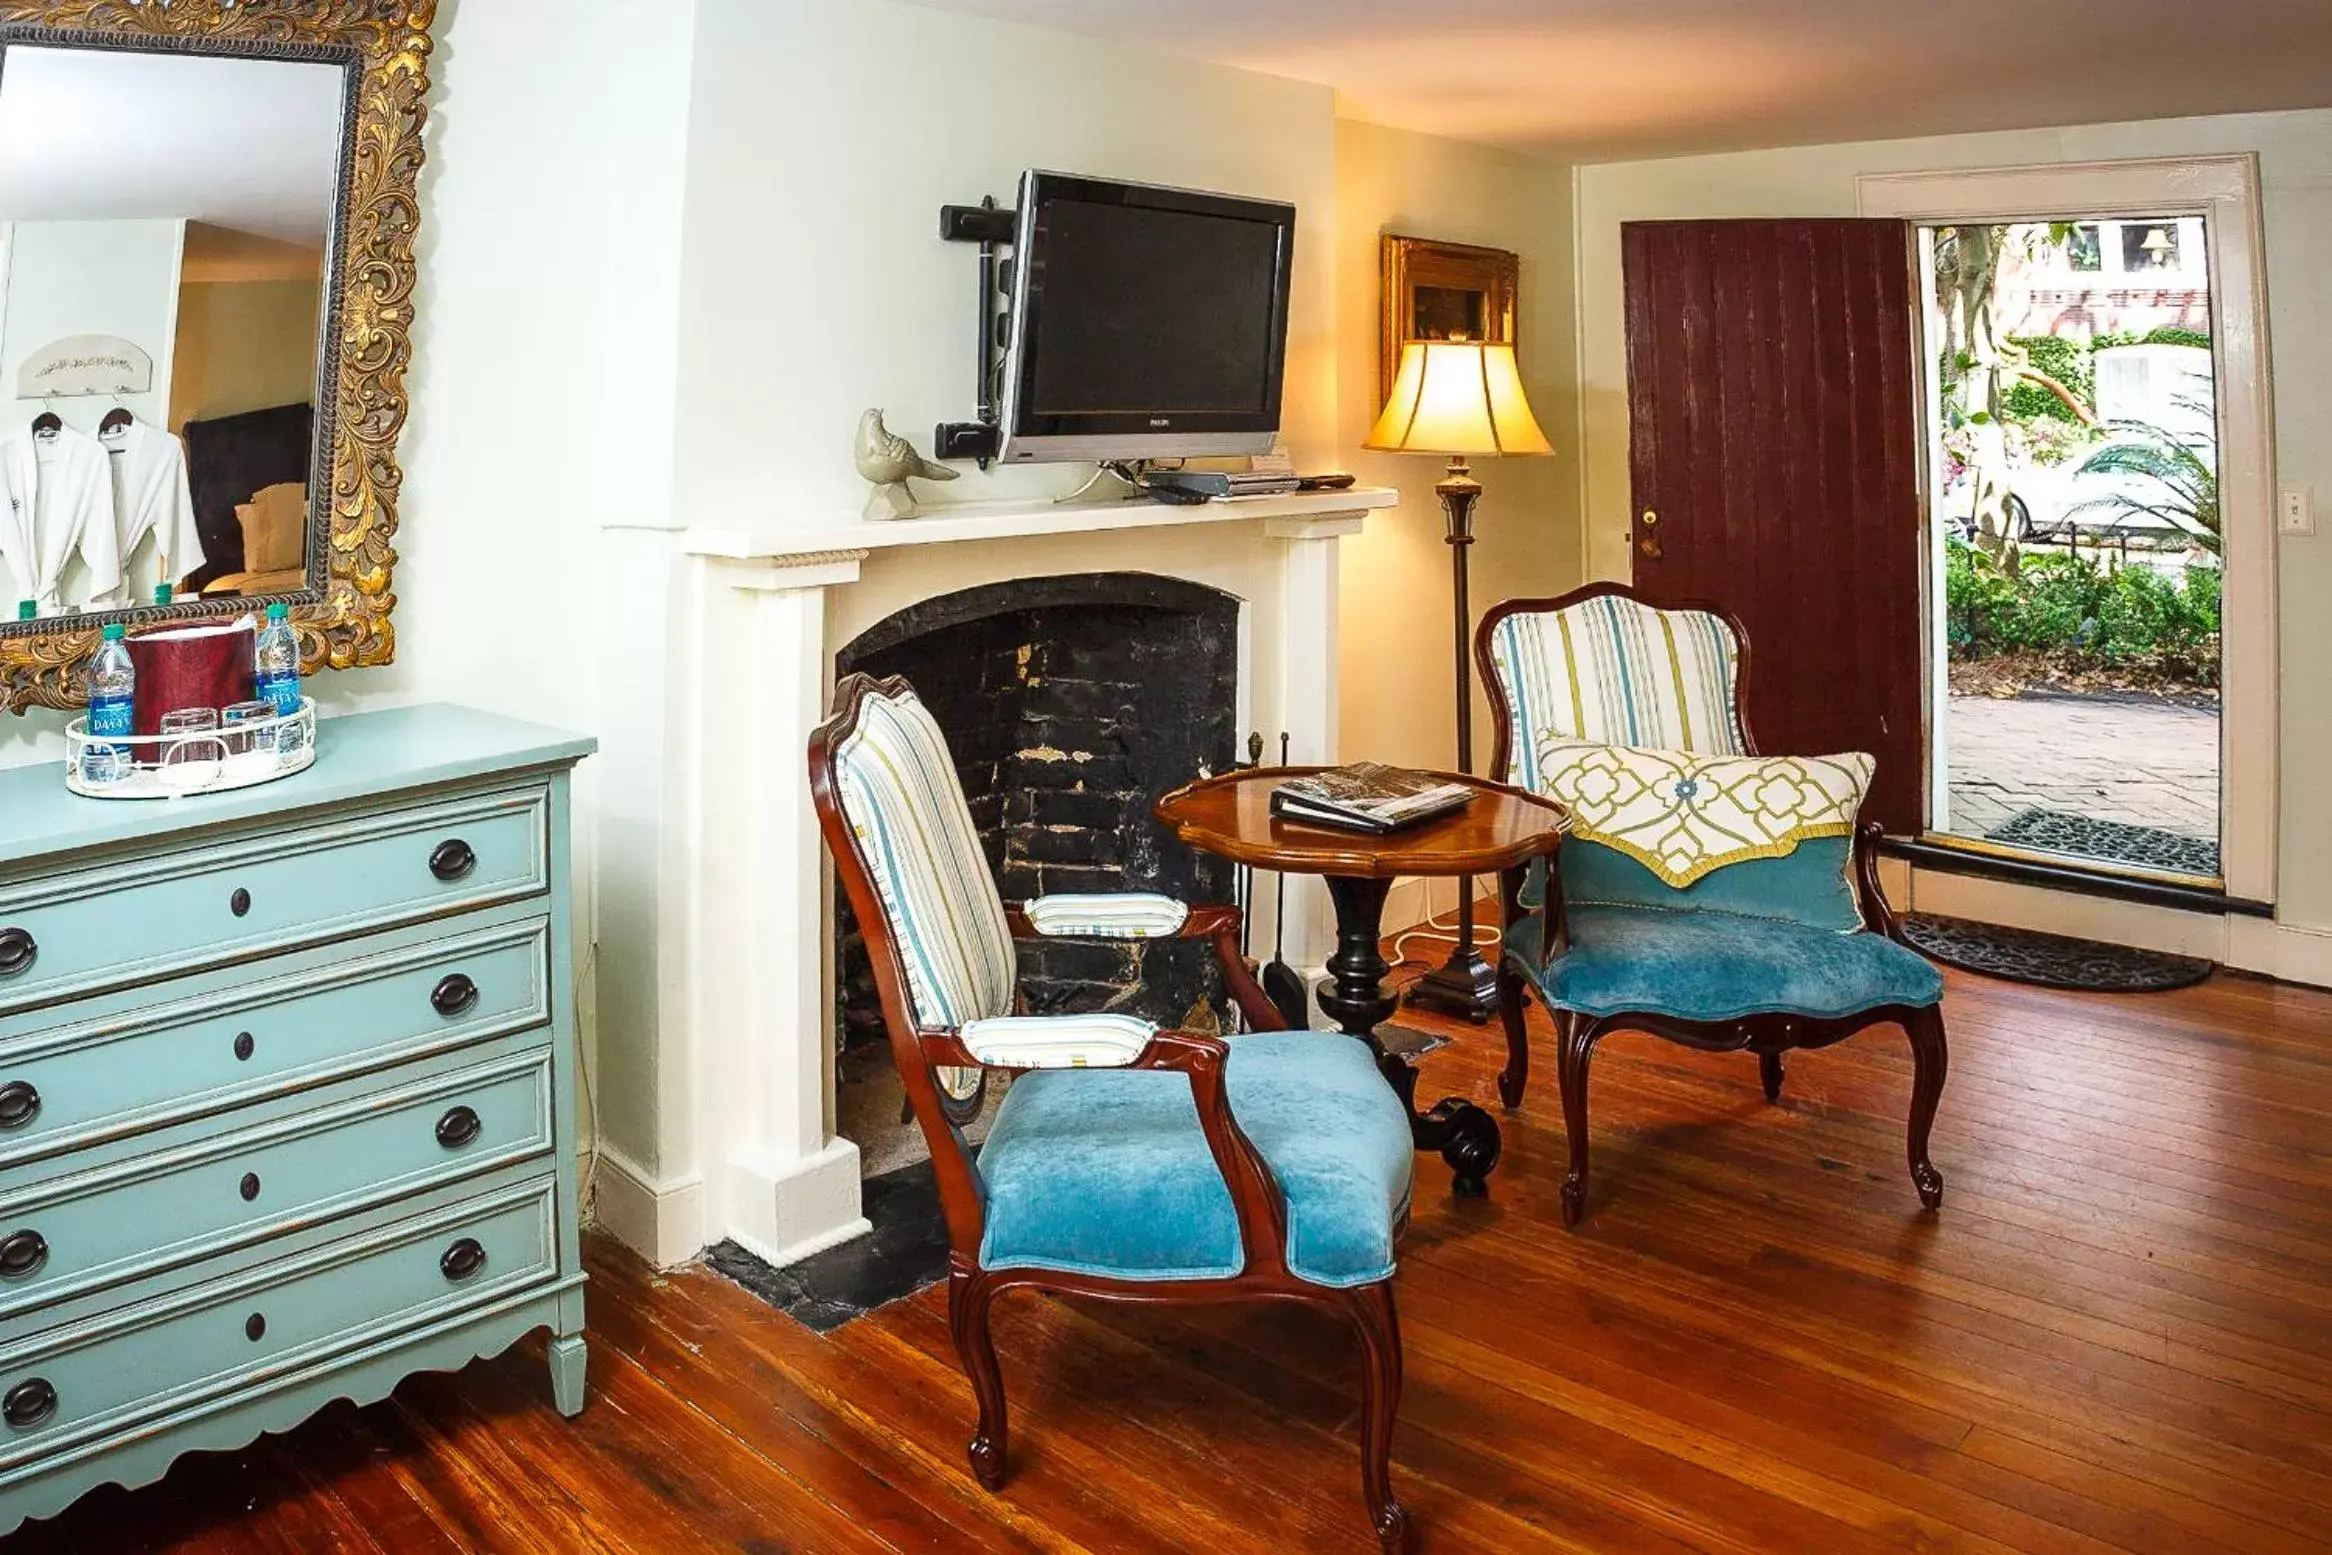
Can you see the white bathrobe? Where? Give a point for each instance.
(151, 497)
(59, 498)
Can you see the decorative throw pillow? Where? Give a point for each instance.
(1766, 836)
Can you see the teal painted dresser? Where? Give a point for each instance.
(287, 1103)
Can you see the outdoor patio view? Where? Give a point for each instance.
(2075, 463)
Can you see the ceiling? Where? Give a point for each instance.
(249, 145)
(1592, 80)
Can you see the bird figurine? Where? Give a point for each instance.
(887, 459)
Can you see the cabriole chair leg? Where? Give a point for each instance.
(1380, 1371)
(968, 1299)
(1930, 1059)
(1578, 1034)
(1511, 1008)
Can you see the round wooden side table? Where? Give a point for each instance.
(1503, 829)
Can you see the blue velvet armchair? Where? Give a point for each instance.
(1125, 1162)
(1705, 894)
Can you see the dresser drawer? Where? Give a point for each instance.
(80, 932)
(170, 1356)
(123, 1067)
(80, 1232)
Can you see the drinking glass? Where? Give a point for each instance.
(191, 748)
(247, 742)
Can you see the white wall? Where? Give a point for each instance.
(1397, 681)
(827, 133)
(2295, 153)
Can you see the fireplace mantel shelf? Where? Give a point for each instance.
(807, 545)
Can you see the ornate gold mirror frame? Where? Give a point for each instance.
(342, 615)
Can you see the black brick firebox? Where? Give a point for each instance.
(1071, 704)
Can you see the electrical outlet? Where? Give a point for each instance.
(2294, 513)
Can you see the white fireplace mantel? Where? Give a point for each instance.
(764, 612)
(1024, 520)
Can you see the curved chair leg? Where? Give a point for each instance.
(1517, 1071)
(1578, 1033)
(1769, 1070)
(968, 1299)
(1379, 1325)
(1931, 1060)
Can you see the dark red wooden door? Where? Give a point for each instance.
(1770, 393)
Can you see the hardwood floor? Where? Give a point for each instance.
(2116, 1336)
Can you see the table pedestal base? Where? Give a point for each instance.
(1355, 998)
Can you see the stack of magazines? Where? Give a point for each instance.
(1367, 796)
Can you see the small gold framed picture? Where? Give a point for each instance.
(1443, 291)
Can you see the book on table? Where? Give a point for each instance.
(1368, 796)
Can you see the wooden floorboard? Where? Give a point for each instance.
(2117, 1336)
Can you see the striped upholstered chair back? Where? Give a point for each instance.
(1602, 665)
(898, 789)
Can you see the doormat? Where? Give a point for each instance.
(2113, 842)
(906, 1251)
(2049, 960)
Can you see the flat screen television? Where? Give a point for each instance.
(1146, 322)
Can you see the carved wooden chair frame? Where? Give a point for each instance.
(1768, 1035)
(1255, 1197)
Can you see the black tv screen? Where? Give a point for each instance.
(1147, 321)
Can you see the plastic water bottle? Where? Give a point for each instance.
(113, 685)
(278, 667)
(279, 662)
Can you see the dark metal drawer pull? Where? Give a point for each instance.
(462, 1260)
(458, 1127)
(22, 1254)
(19, 1104)
(18, 951)
(453, 996)
(255, 1327)
(29, 1404)
(244, 1046)
(452, 860)
(249, 1187)
(240, 903)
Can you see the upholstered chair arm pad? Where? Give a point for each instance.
(1104, 915)
(1057, 1041)
(1211, 921)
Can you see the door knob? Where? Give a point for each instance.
(1649, 543)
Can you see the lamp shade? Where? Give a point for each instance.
(1458, 397)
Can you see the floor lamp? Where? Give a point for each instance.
(1459, 397)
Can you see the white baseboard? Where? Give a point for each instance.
(2284, 951)
(2291, 952)
(661, 1221)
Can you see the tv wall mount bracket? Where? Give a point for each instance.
(990, 226)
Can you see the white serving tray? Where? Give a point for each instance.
(174, 766)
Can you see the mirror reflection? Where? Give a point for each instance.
(165, 222)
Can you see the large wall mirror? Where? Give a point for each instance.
(207, 212)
